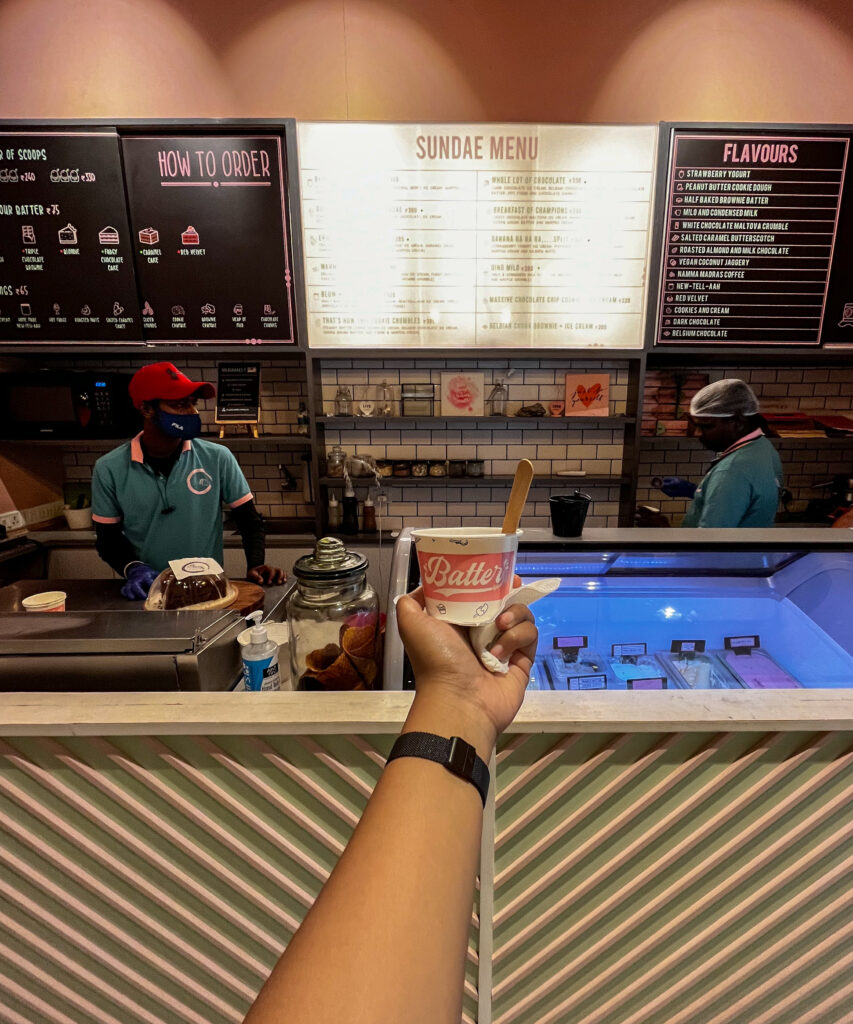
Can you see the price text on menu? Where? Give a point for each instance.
(750, 240)
(66, 266)
(209, 215)
(489, 235)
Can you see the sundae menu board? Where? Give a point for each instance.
(488, 235)
(754, 246)
(209, 222)
(66, 266)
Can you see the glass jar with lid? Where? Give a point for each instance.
(456, 467)
(336, 460)
(343, 401)
(475, 467)
(333, 621)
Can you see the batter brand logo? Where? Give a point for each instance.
(199, 482)
(474, 577)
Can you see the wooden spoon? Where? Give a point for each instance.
(518, 496)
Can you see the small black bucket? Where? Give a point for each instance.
(568, 513)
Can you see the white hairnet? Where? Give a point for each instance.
(724, 398)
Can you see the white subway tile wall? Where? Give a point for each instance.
(551, 443)
(806, 461)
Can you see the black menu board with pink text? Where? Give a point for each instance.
(757, 241)
(209, 221)
(66, 264)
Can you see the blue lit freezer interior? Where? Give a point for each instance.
(687, 619)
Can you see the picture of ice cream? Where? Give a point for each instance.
(759, 671)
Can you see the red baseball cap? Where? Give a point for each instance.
(165, 380)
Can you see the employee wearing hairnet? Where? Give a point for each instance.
(742, 486)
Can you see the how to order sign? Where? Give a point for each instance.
(751, 239)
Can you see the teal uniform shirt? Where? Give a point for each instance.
(742, 489)
(126, 490)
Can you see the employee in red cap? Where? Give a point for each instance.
(160, 496)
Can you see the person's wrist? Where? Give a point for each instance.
(446, 714)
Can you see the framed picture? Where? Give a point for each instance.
(462, 394)
(587, 394)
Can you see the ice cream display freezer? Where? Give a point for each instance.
(679, 609)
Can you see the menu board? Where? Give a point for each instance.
(751, 240)
(209, 222)
(238, 393)
(66, 267)
(483, 235)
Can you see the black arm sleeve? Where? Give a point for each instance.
(112, 545)
(250, 524)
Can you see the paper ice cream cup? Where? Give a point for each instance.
(466, 572)
(47, 601)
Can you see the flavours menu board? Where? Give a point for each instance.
(66, 265)
(479, 234)
(753, 240)
(208, 216)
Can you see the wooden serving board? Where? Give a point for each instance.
(250, 597)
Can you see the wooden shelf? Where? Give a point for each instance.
(399, 421)
(475, 481)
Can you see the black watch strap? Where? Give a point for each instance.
(455, 754)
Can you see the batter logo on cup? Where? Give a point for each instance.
(468, 577)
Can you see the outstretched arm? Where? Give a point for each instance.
(385, 941)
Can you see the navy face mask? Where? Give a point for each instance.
(183, 425)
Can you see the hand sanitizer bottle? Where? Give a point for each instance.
(260, 659)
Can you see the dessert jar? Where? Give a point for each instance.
(456, 467)
(438, 467)
(333, 621)
(475, 467)
(336, 461)
(419, 468)
(402, 469)
(384, 467)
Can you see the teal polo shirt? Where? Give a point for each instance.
(126, 490)
(742, 489)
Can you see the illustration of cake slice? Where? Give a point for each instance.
(68, 235)
(149, 236)
(190, 236)
(108, 236)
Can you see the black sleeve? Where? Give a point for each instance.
(250, 524)
(112, 545)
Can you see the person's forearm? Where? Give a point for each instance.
(250, 525)
(386, 940)
(114, 547)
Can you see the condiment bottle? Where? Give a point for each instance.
(368, 517)
(349, 522)
(334, 513)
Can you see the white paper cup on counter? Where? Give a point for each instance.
(466, 572)
(78, 518)
(47, 601)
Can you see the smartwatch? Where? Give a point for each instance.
(457, 756)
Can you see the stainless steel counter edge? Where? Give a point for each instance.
(113, 714)
(536, 535)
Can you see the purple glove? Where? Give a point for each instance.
(139, 579)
